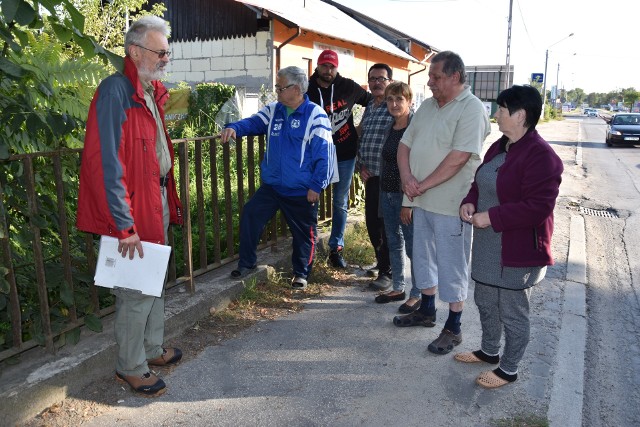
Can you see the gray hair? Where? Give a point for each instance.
(451, 63)
(296, 76)
(138, 30)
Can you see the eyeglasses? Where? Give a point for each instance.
(282, 89)
(378, 79)
(161, 53)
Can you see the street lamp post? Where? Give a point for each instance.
(558, 82)
(544, 84)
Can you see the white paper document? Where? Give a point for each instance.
(145, 275)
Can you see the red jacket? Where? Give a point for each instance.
(119, 176)
(528, 184)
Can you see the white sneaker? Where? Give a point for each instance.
(299, 283)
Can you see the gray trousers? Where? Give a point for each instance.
(504, 308)
(139, 322)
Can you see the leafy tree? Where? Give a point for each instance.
(630, 96)
(576, 96)
(39, 106)
(43, 102)
(536, 84)
(108, 21)
(50, 64)
(592, 99)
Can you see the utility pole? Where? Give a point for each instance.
(506, 81)
(544, 84)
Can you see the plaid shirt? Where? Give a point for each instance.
(375, 121)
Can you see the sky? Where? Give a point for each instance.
(601, 56)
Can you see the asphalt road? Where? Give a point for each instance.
(611, 187)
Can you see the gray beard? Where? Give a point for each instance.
(150, 75)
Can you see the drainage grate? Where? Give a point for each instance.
(608, 213)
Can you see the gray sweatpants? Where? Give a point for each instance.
(504, 308)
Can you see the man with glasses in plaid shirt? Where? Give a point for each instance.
(375, 121)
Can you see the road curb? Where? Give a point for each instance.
(567, 391)
(577, 259)
(579, 147)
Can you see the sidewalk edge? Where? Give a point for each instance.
(567, 391)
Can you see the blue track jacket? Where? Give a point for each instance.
(300, 153)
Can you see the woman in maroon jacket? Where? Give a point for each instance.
(510, 205)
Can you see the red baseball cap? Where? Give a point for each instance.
(328, 57)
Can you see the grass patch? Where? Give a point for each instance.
(521, 421)
(274, 297)
(358, 249)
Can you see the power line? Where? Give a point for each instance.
(524, 24)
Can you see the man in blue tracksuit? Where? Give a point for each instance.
(300, 161)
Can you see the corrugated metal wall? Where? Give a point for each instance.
(209, 19)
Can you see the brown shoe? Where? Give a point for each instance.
(445, 342)
(147, 385)
(415, 318)
(169, 356)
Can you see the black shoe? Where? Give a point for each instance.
(382, 283)
(385, 298)
(373, 271)
(336, 260)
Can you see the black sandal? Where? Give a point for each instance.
(415, 319)
(406, 308)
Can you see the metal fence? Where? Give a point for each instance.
(46, 287)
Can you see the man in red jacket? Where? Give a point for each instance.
(127, 191)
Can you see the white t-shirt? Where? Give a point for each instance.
(462, 125)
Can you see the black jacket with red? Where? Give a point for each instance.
(338, 100)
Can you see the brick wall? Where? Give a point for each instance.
(242, 62)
